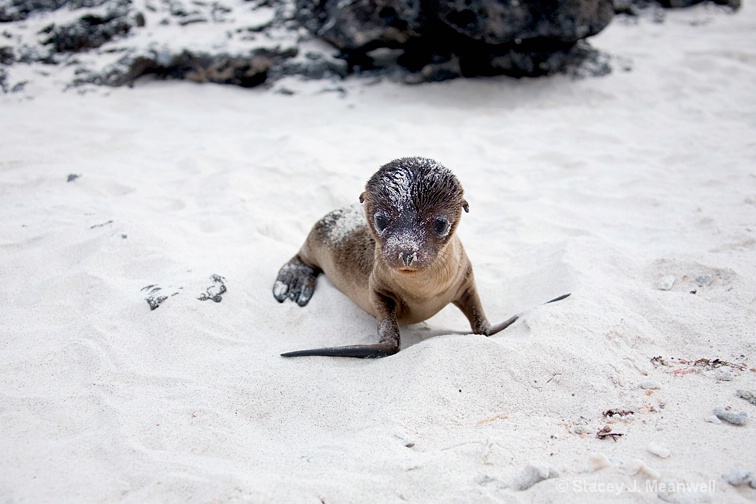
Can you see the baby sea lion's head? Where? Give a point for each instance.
(412, 206)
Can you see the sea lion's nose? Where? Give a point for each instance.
(408, 258)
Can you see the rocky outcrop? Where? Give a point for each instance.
(111, 42)
(441, 39)
(91, 31)
(17, 10)
(114, 42)
(249, 70)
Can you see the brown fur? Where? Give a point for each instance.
(394, 263)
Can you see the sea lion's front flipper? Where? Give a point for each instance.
(470, 304)
(296, 281)
(500, 327)
(358, 351)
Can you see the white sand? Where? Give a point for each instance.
(599, 187)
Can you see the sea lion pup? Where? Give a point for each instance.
(399, 259)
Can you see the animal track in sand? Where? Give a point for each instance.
(157, 295)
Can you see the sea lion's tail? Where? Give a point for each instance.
(358, 351)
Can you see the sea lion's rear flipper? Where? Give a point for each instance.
(358, 351)
(296, 281)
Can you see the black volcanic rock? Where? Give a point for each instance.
(442, 39)
(91, 31)
(16, 10)
(246, 71)
(363, 24)
(498, 22)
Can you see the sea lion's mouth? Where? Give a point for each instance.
(407, 271)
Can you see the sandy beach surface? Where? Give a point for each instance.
(636, 192)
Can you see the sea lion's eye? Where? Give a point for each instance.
(380, 222)
(441, 226)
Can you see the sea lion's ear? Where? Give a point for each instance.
(465, 206)
(362, 198)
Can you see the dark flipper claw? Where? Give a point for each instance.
(358, 351)
(296, 281)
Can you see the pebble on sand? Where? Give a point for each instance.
(748, 395)
(724, 375)
(599, 461)
(731, 417)
(738, 477)
(665, 283)
(658, 450)
(650, 385)
(637, 466)
(533, 474)
(704, 280)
